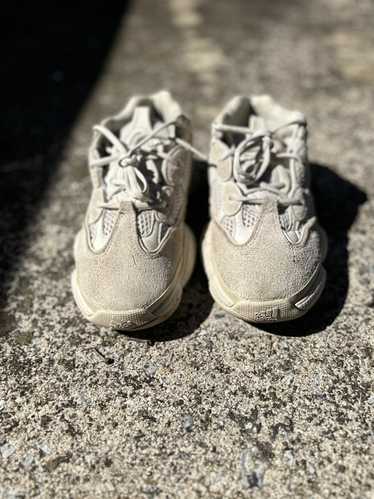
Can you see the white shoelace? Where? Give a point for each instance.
(251, 170)
(134, 183)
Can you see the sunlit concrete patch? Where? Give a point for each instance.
(354, 54)
(203, 56)
(186, 14)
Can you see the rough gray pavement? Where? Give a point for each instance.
(204, 405)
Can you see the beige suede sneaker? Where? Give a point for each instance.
(263, 249)
(134, 254)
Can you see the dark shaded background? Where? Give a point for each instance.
(51, 57)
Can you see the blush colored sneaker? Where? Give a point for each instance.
(263, 249)
(134, 253)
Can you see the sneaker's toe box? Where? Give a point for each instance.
(268, 269)
(124, 286)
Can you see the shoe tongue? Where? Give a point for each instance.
(140, 126)
(142, 123)
(256, 123)
(136, 129)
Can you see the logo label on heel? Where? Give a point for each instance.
(270, 314)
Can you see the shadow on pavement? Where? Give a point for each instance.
(337, 203)
(52, 56)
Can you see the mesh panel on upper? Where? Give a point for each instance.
(284, 220)
(249, 215)
(97, 231)
(145, 222)
(228, 224)
(109, 218)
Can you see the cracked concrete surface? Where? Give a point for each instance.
(204, 405)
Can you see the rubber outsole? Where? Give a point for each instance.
(280, 310)
(143, 318)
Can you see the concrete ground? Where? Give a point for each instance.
(204, 405)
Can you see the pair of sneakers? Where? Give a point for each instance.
(263, 248)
